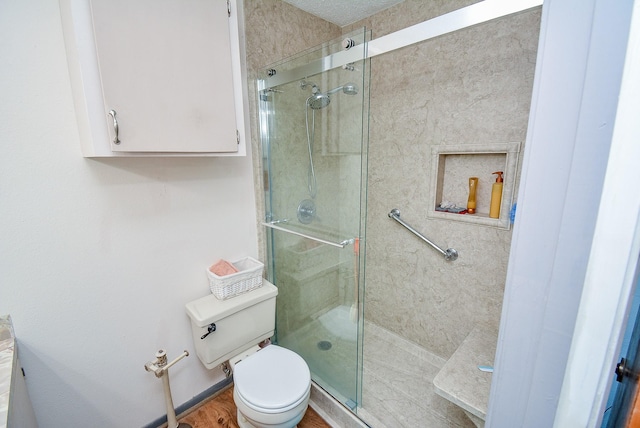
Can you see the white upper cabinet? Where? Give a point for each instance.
(156, 77)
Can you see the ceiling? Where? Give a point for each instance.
(343, 12)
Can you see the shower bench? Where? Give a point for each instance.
(461, 381)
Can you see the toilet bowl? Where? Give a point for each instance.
(271, 388)
(271, 384)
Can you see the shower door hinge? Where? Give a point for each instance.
(238, 136)
(229, 8)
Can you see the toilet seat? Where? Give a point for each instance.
(273, 380)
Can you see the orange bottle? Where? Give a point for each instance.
(471, 202)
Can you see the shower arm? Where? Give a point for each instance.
(449, 254)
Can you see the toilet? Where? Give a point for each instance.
(271, 384)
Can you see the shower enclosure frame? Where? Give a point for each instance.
(475, 14)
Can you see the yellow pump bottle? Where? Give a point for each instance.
(496, 196)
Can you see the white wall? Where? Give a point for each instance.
(98, 258)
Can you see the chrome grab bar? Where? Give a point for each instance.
(449, 254)
(274, 225)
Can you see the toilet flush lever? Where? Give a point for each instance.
(210, 329)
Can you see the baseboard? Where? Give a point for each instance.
(193, 402)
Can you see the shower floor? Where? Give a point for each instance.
(397, 388)
(397, 383)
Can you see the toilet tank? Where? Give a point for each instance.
(241, 322)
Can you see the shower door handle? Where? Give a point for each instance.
(341, 244)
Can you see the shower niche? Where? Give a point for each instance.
(453, 165)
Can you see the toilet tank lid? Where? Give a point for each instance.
(209, 309)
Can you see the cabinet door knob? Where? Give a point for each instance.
(112, 113)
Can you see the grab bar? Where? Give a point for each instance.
(342, 244)
(449, 254)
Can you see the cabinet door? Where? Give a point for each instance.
(165, 70)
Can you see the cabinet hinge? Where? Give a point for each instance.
(229, 8)
(238, 136)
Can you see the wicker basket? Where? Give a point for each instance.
(248, 277)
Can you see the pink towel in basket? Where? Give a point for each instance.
(222, 268)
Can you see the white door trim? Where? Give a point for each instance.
(612, 264)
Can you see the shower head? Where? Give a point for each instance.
(347, 88)
(320, 100)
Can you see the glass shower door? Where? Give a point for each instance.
(314, 123)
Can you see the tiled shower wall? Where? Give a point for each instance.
(310, 277)
(274, 31)
(469, 87)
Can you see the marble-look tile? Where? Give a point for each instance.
(397, 384)
(397, 376)
(378, 341)
(274, 30)
(460, 381)
(394, 409)
(406, 14)
(469, 87)
(7, 360)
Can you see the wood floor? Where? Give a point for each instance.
(220, 412)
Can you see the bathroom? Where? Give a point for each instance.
(127, 240)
